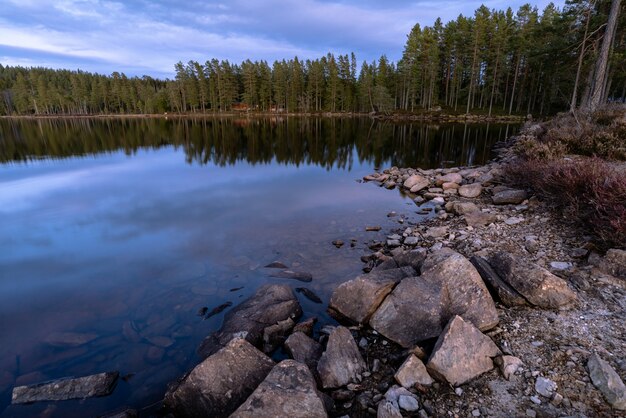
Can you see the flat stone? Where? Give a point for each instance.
(269, 305)
(449, 186)
(411, 313)
(412, 241)
(461, 208)
(357, 299)
(538, 286)
(606, 379)
(510, 196)
(507, 295)
(408, 403)
(218, 385)
(465, 293)
(449, 178)
(437, 231)
(413, 371)
(415, 183)
(561, 265)
(341, 363)
(303, 349)
(476, 219)
(470, 190)
(289, 390)
(514, 220)
(461, 353)
(508, 365)
(101, 384)
(545, 387)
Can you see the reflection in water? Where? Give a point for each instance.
(105, 261)
(327, 142)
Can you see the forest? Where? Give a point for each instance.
(495, 63)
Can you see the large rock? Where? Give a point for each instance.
(461, 208)
(288, 391)
(413, 371)
(475, 219)
(218, 385)
(510, 196)
(413, 258)
(614, 263)
(415, 183)
(304, 349)
(538, 286)
(101, 384)
(357, 299)
(412, 312)
(606, 379)
(508, 296)
(465, 293)
(449, 178)
(461, 353)
(470, 190)
(269, 305)
(341, 362)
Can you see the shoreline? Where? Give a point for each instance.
(400, 118)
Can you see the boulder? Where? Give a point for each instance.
(269, 305)
(536, 284)
(289, 390)
(413, 258)
(413, 371)
(275, 335)
(461, 208)
(465, 293)
(449, 178)
(510, 196)
(507, 295)
(415, 183)
(412, 312)
(461, 353)
(101, 384)
(341, 362)
(606, 379)
(218, 385)
(470, 190)
(303, 349)
(357, 299)
(478, 218)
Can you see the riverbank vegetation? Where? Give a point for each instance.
(496, 62)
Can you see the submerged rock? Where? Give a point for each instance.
(289, 390)
(341, 363)
(269, 305)
(218, 385)
(69, 388)
(302, 276)
(538, 286)
(461, 353)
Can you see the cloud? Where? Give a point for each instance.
(147, 36)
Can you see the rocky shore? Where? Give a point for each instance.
(493, 307)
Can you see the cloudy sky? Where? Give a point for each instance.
(148, 36)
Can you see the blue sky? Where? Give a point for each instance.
(140, 37)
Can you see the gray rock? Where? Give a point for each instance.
(289, 390)
(101, 384)
(514, 220)
(269, 305)
(387, 409)
(218, 385)
(465, 293)
(545, 387)
(470, 190)
(408, 403)
(304, 349)
(415, 183)
(359, 298)
(476, 219)
(274, 336)
(392, 243)
(413, 371)
(538, 286)
(416, 299)
(508, 296)
(606, 379)
(461, 353)
(508, 365)
(412, 241)
(510, 196)
(413, 258)
(436, 231)
(341, 362)
(561, 265)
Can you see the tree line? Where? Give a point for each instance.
(495, 62)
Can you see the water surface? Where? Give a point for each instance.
(118, 231)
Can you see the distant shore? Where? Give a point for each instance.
(394, 117)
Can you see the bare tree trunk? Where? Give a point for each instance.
(599, 84)
(581, 56)
(514, 83)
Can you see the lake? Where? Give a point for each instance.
(114, 233)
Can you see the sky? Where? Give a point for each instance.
(147, 37)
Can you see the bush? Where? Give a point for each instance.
(588, 191)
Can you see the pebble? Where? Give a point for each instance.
(531, 413)
(561, 265)
(475, 413)
(537, 343)
(545, 387)
(514, 220)
(458, 391)
(535, 400)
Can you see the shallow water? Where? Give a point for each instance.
(114, 233)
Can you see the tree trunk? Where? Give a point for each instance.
(581, 56)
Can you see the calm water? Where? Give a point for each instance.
(116, 225)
